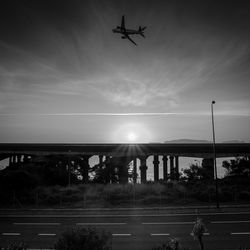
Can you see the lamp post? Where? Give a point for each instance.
(215, 166)
(69, 170)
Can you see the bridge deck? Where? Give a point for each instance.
(186, 150)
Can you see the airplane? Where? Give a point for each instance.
(126, 32)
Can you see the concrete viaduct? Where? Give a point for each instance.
(125, 153)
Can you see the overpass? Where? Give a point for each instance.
(18, 152)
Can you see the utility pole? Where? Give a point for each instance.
(215, 166)
(69, 169)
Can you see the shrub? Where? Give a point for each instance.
(87, 239)
(18, 180)
(16, 246)
(244, 195)
(171, 244)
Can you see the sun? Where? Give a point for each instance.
(131, 133)
(132, 137)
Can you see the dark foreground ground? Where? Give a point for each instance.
(133, 229)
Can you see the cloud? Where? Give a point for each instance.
(130, 92)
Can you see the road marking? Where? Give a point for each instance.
(40, 249)
(205, 234)
(36, 223)
(46, 234)
(117, 215)
(11, 234)
(168, 223)
(101, 223)
(232, 221)
(238, 233)
(121, 235)
(160, 234)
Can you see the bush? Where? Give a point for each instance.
(171, 244)
(87, 239)
(16, 246)
(18, 180)
(244, 195)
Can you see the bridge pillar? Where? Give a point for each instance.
(143, 168)
(10, 160)
(101, 160)
(85, 168)
(177, 173)
(19, 158)
(171, 167)
(156, 168)
(14, 159)
(165, 167)
(25, 158)
(135, 170)
(108, 166)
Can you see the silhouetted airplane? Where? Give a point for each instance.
(126, 32)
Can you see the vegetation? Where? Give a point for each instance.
(87, 239)
(16, 246)
(45, 184)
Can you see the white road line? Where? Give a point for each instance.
(160, 234)
(121, 235)
(117, 215)
(11, 234)
(238, 233)
(101, 223)
(46, 234)
(232, 221)
(168, 223)
(36, 223)
(205, 234)
(40, 249)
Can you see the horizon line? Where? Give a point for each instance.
(126, 114)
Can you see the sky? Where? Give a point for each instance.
(65, 77)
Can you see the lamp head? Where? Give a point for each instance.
(213, 102)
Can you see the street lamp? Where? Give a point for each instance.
(215, 167)
(69, 169)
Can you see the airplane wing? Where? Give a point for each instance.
(123, 23)
(131, 40)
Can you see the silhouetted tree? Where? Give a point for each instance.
(203, 172)
(105, 173)
(238, 168)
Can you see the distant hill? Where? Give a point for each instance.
(187, 141)
(233, 141)
(200, 141)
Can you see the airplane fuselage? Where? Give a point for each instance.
(126, 31)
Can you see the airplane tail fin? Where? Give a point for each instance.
(142, 35)
(141, 29)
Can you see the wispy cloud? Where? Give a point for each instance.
(130, 92)
(190, 114)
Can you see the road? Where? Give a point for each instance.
(140, 230)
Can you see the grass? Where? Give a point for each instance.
(117, 195)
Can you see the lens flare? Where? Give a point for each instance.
(131, 133)
(132, 136)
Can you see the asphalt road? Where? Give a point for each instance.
(129, 230)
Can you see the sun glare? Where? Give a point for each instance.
(131, 133)
(132, 136)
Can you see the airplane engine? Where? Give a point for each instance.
(124, 37)
(118, 27)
